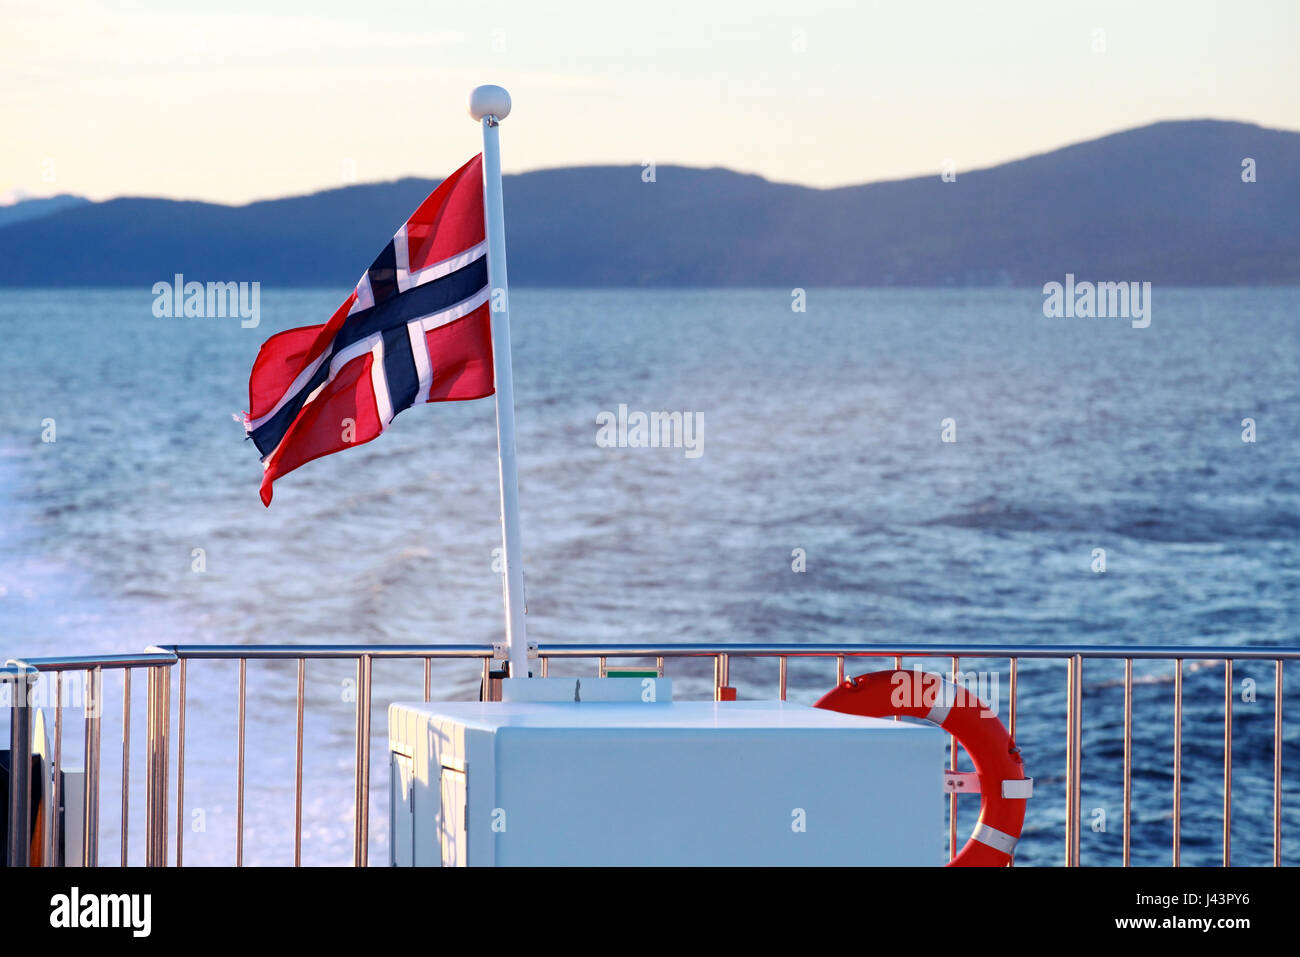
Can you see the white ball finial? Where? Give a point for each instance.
(489, 100)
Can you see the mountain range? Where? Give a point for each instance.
(1170, 203)
(36, 208)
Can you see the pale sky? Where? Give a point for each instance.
(246, 99)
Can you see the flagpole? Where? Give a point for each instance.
(490, 105)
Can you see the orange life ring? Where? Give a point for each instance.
(999, 770)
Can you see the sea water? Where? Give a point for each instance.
(947, 466)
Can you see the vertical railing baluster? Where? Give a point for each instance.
(19, 837)
(126, 755)
(57, 850)
(428, 678)
(1011, 694)
(356, 765)
(1076, 784)
(1011, 722)
(952, 766)
(1073, 757)
(360, 804)
(365, 767)
(1128, 756)
(151, 763)
(782, 677)
(839, 670)
(297, 761)
(1227, 762)
(1178, 760)
(1069, 754)
(546, 665)
(164, 758)
(180, 766)
(90, 797)
(239, 765)
(1277, 763)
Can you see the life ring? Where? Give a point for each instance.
(999, 774)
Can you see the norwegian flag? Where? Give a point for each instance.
(416, 329)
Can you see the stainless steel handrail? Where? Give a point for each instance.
(81, 662)
(235, 652)
(158, 661)
(910, 650)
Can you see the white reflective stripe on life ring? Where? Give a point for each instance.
(949, 693)
(998, 840)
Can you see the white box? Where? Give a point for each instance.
(669, 783)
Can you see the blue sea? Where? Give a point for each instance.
(822, 430)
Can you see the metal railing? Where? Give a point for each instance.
(158, 662)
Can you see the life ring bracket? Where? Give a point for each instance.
(968, 782)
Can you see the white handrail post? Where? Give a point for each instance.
(490, 105)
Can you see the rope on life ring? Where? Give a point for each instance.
(999, 776)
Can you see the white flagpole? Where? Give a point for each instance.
(490, 105)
